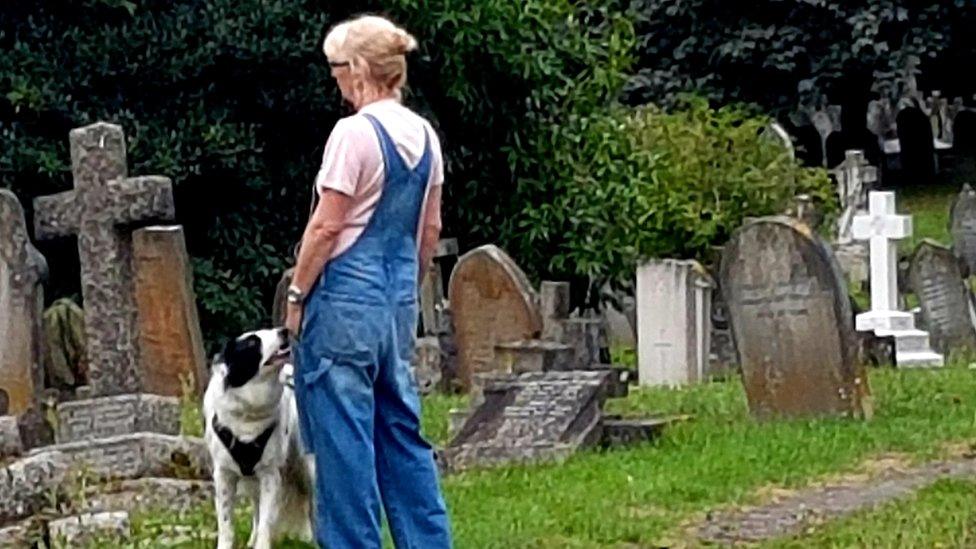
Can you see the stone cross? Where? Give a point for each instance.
(855, 177)
(100, 211)
(882, 227)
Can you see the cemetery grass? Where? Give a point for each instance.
(942, 515)
(651, 494)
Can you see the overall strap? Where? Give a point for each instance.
(392, 160)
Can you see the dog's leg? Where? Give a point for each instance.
(270, 495)
(254, 522)
(225, 488)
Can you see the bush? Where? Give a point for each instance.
(233, 100)
(649, 183)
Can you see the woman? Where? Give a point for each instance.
(354, 296)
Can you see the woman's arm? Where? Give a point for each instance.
(431, 231)
(319, 238)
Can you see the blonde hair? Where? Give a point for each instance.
(375, 49)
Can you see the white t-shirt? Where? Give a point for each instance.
(352, 163)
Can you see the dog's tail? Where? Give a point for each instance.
(297, 484)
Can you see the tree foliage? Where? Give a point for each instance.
(783, 53)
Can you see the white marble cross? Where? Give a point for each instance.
(882, 227)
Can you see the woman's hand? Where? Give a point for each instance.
(293, 319)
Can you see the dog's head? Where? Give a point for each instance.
(261, 353)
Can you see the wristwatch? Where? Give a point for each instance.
(295, 295)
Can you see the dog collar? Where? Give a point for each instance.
(245, 454)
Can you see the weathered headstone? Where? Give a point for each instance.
(917, 147)
(792, 322)
(171, 343)
(492, 302)
(587, 336)
(426, 364)
(855, 178)
(554, 300)
(723, 357)
(22, 270)
(962, 225)
(881, 227)
(673, 322)
(532, 416)
(101, 210)
(432, 302)
(946, 302)
(65, 360)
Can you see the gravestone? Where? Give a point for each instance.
(917, 146)
(792, 322)
(882, 227)
(65, 363)
(492, 302)
(964, 133)
(855, 178)
(22, 270)
(101, 210)
(531, 416)
(432, 299)
(554, 299)
(946, 302)
(171, 343)
(673, 322)
(962, 225)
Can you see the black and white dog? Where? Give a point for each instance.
(252, 434)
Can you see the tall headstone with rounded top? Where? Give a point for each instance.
(492, 302)
(22, 270)
(962, 225)
(792, 322)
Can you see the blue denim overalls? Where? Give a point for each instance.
(357, 399)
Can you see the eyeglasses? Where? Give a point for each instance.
(337, 64)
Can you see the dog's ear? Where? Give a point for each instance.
(243, 358)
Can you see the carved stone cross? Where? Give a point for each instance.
(102, 210)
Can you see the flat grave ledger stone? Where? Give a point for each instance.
(531, 416)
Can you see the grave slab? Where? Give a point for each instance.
(529, 417)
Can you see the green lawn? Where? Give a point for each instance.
(647, 495)
(929, 208)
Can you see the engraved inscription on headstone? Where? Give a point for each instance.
(962, 223)
(792, 322)
(101, 210)
(946, 303)
(540, 415)
(492, 302)
(22, 270)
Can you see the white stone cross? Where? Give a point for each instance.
(882, 227)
